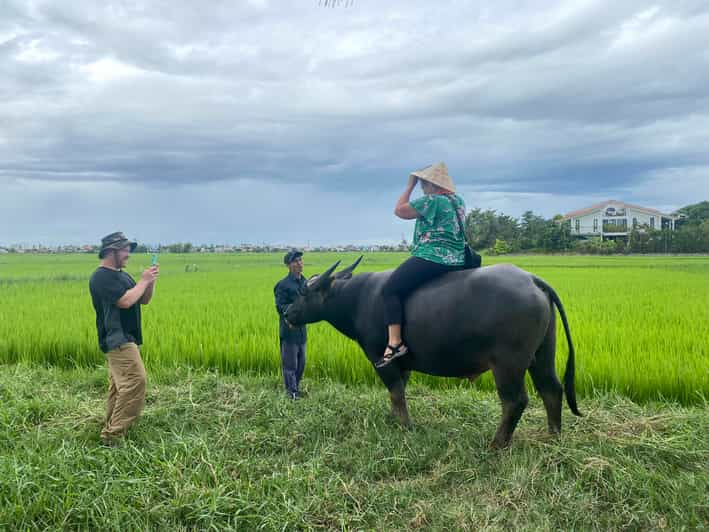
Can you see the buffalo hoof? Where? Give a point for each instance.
(402, 419)
(498, 445)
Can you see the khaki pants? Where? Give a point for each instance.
(126, 395)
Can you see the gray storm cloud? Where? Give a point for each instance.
(532, 105)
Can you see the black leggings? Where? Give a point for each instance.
(404, 280)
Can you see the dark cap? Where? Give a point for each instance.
(115, 241)
(291, 256)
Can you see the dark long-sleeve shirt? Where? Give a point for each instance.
(286, 291)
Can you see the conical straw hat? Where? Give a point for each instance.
(436, 174)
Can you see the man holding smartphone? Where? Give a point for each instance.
(117, 299)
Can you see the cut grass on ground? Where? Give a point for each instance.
(232, 452)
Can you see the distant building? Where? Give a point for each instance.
(611, 219)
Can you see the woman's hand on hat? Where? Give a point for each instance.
(413, 180)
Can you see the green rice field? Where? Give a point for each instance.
(640, 324)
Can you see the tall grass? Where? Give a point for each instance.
(640, 324)
(217, 452)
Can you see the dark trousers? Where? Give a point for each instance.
(411, 274)
(293, 365)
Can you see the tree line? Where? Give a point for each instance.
(498, 234)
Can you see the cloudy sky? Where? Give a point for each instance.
(288, 122)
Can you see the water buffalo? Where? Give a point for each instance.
(498, 318)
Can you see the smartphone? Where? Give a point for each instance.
(154, 260)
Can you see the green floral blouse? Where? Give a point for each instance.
(437, 236)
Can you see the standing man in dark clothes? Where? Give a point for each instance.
(293, 339)
(117, 299)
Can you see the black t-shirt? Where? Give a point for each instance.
(115, 326)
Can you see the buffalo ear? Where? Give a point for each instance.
(347, 272)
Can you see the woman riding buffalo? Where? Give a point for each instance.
(439, 246)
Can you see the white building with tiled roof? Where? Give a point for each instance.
(616, 218)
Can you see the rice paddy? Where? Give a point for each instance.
(640, 324)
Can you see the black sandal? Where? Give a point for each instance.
(396, 352)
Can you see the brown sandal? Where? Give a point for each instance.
(396, 352)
